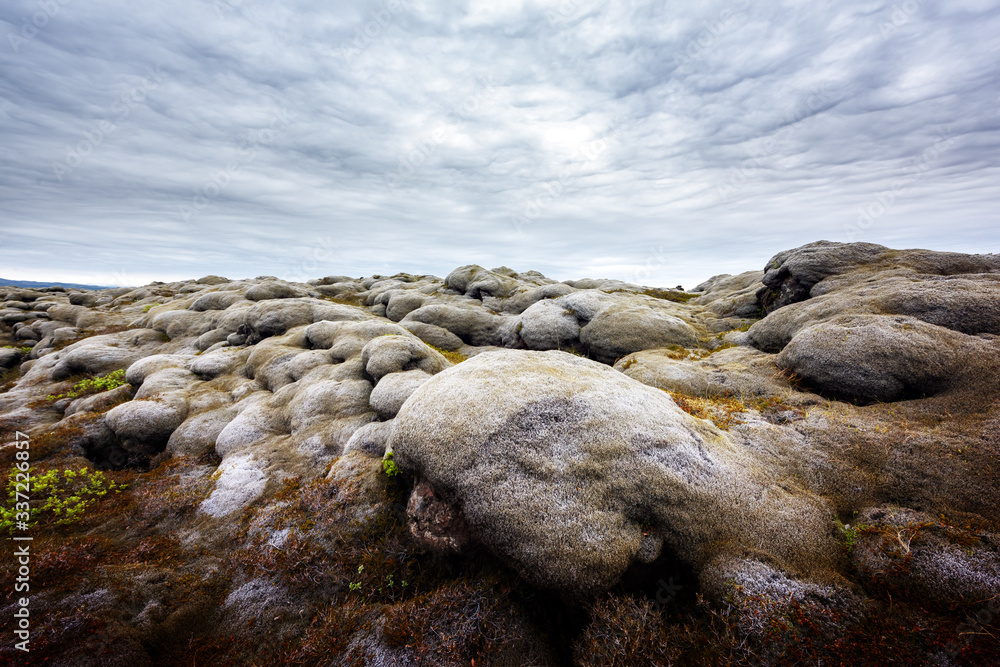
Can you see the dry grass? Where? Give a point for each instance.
(723, 412)
(9, 378)
(325, 549)
(657, 293)
(454, 356)
(678, 353)
(464, 612)
(461, 622)
(726, 411)
(625, 632)
(458, 611)
(50, 447)
(352, 299)
(758, 630)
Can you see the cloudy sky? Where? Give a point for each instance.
(655, 142)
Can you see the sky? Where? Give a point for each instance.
(659, 143)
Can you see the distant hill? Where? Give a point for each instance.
(31, 283)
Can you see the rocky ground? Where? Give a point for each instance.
(790, 466)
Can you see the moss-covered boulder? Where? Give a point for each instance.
(564, 467)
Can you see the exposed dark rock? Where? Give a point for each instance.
(434, 523)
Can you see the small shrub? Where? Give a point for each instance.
(67, 495)
(850, 535)
(90, 386)
(150, 306)
(389, 466)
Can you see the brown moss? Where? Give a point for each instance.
(105, 330)
(625, 632)
(326, 550)
(895, 544)
(328, 634)
(759, 630)
(61, 564)
(160, 497)
(9, 378)
(55, 443)
(790, 378)
(464, 621)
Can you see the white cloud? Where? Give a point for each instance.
(415, 134)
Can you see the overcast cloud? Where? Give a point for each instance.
(656, 142)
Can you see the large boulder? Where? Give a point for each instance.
(434, 335)
(154, 363)
(394, 353)
(548, 325)
(731, 296)
(476, 282)
(371, 439)
(883, 358)
(955, 290)
(102, 354)
(176, 323)
(212, 280)
(215, 301)
(790, 275)
(257, 421)
(197, 434)
(402, 303)
(392, 391)
(144, 426)
(524, 300)
(968, 303)
(274, 289)
(9, 357)
(473, 325)
(619, 330)
(273, 318)
(741, 372)
(566, 468)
